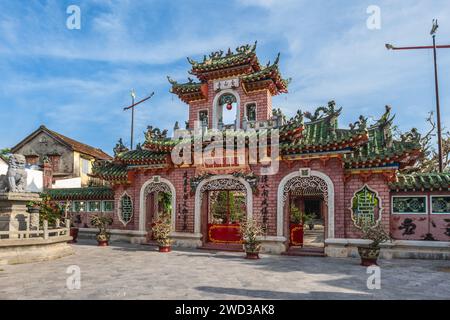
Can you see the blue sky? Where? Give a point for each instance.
(76, 82)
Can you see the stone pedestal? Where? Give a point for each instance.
(13, 211)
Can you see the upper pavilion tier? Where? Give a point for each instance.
(242, 63)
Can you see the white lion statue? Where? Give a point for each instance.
(15, 179)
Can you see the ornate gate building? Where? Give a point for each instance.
(327, 179)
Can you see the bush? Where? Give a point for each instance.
(376, 233)
(102, 222)
(48, 210)
(162, 229)
(251, 229)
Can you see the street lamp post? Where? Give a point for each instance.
(133, 104)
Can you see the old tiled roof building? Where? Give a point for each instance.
(67, 157)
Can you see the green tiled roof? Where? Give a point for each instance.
(142, 155)
(315, 138)
(370, 153)
(88, 193)
(109, 170)
(320, 134)
(188, 87)
(268, 73)
(421, 181)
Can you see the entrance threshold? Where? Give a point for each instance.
(232, 247)
(305, 252)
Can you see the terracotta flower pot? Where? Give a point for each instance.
(74, 235)
(165, 249)
(102, 243)
(252, 255)
(369, 256)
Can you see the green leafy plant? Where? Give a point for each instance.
(162, 229)
(375, 233)
(251, 230)
(296, 215)
(308, 218)
(102, 223)
(48, 210)
(165, 199)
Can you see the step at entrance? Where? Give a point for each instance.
(222, 247)
(305, 252)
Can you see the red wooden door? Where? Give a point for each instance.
(150, 213)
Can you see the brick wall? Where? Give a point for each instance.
(332, 168)
(375, 182)
(437, 225)
(262, 98)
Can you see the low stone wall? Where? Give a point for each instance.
(34, 250)
(131, 236)
(398, 249)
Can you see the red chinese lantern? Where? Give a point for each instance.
(229, 106)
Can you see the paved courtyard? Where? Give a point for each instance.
(124, 271)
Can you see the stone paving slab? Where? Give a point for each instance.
(125, 271)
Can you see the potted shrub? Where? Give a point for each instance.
(308, 219)
(369, 253)
(161, 232)
(296, 215)
(296, 227)
(251, 230)
(102, 223)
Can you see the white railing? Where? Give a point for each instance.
(57, 230)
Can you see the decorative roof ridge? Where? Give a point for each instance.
(421, 181)
(384, 120)
(423, 174)
(218, 55)
(323, 113)
(190, 82)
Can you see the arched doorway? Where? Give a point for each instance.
(157, 197)
(226, 109)
(305, 209)
(221, 202)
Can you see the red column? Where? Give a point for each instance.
(48, 175)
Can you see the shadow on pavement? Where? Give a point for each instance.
(268, 294)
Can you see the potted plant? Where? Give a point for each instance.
(73, 230)
(102, 222)
(251, 230)
(296, 215)
(296, 227)
(161, 232)
(369, 253)
(308, 219)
